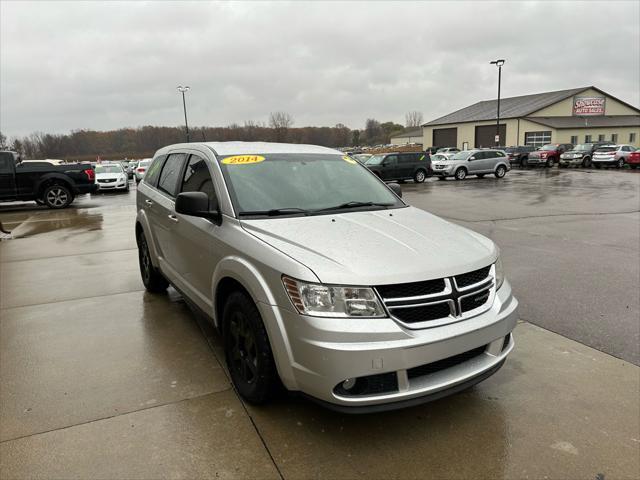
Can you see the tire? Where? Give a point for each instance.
(247, 350)
(597, 165)
(420, 176)
(461, 174)
(550, 162)
(524, 163)
(152, 279)
(57, 196)
(620, 163)
(586, 162)
(480, 175)
(501, 171)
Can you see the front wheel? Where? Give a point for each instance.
(461, 174)
(247, 350)
(152, 279)
(551, 162)
(586, 162)
(501, 171)
(620, 163)
(57, 196)
(420, 176)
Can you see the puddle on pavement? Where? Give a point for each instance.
(36, 222)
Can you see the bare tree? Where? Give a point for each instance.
(413, 119)
(3, 140)
(280, 122)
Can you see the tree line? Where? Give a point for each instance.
(143, 141)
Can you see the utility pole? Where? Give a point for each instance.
(182, 90)
(499, 64)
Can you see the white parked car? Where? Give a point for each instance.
(111, 177)
(141, 169)
(448, 151)
(615, 155)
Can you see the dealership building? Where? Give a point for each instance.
(579, 115)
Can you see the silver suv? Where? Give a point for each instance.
(320, 277)
(472, 162)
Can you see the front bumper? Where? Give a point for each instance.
(536, 161)
(571, 161)
(113, 186)
(320, 353)
(443, 172)
(602, 161)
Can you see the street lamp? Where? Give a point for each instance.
(182, 89)
(499, 64)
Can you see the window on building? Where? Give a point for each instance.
(601, 138)
(614, 138)
(587, 139)
(537, 139)
(632, 138)
(574, 139)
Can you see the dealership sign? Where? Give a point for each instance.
(588, 106)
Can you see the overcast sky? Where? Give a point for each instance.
(92, 65)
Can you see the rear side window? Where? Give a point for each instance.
(170, 174)
(197, 178)
(391, 160)
(406, 158)
(498, 154)
(151, 177)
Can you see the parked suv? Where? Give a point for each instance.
(318, 275)
(549, 154)
(519, 155)
(448, 151)
(614, 155)
(400, 166)
(473, 162)
(580, 155)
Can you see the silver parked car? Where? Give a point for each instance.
(320, 277)
(614, 155)
(478, 162)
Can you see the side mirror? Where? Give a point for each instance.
(396, 188)
(196, 204)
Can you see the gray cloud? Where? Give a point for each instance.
(71, 65)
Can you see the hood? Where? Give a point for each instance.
(376, 247)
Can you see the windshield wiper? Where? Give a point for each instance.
(355, 204)
(274, 212)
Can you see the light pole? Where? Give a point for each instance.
(182, 89)
(499, 64)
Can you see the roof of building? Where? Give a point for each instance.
(415, 132)
(512, 107)
(588, 122)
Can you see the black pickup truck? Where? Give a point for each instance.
(52, 185)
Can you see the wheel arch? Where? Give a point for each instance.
(53, 179)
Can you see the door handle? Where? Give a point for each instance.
(149, 203)
(173, 218)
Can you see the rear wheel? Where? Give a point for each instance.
(247, 350)
(57, 196)
(419, 176)
(461, 174)
(152, 279)
(501, 171)
(620, 163)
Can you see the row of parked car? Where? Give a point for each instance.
(585, 155)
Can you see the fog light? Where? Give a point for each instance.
(349, 383)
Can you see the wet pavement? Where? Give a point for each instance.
(100, 379)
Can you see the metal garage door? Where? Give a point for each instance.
(485, 135)
(445, 137)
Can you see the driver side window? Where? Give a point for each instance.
(198, 179)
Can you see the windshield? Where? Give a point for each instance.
(461, 156)
(108, 169)
(374, 160)
(548, 147)
(583, 146)
(302, 183)
(144, 163)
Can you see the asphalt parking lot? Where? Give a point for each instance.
(103, 380)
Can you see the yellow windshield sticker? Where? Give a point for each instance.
(347, 158)
(242, 159)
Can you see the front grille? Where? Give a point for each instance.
(370, 385)
(414, 289)
(445, 363)
(435, 302)
(472, 278)
(474, 301)
(423, 314)
(107, 180)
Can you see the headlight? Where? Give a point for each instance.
(320, 300)
(499, 273)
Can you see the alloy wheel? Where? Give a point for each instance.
(57, 197)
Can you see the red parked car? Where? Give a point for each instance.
(633, 160)
(548, 155)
